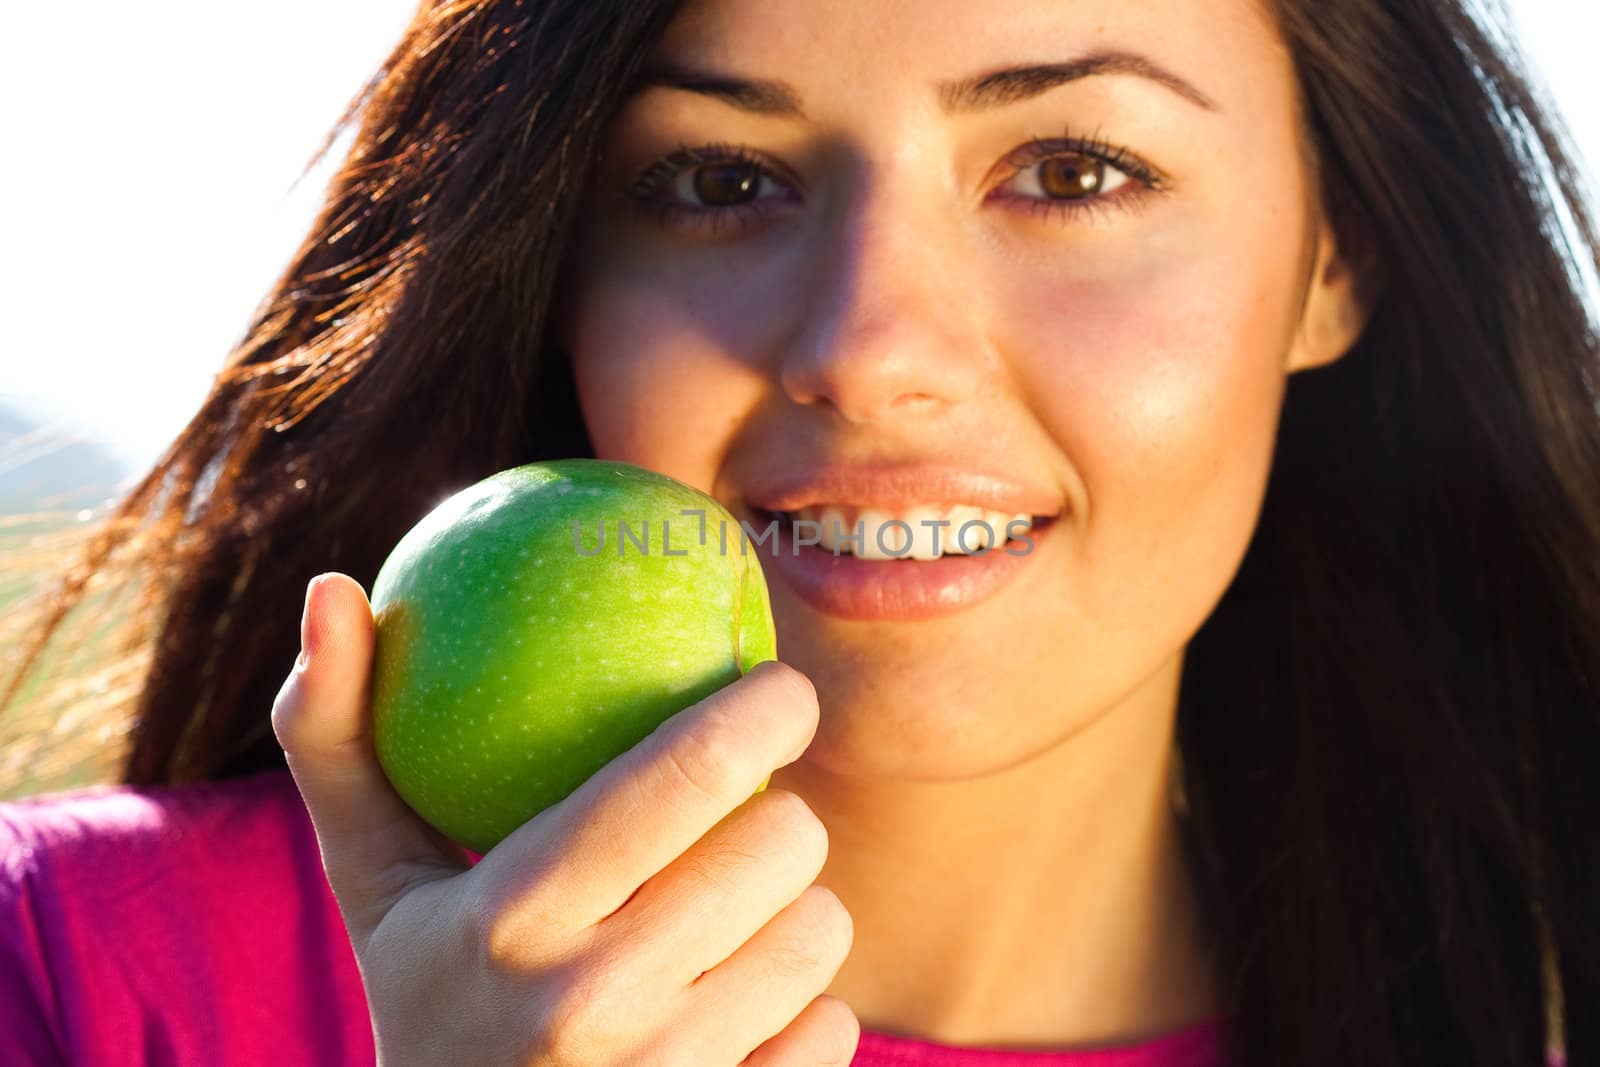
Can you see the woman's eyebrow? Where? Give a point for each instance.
(979, 92)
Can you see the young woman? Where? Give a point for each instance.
(1271, 750)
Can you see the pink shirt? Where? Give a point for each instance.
(194, 925)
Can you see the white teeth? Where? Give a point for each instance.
(969, 530)
(924, 533)
(1016, 527)
(876, 542)
(833, 523)
(972, 530)
(1003, 527)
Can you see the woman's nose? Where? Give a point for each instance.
(888, 331)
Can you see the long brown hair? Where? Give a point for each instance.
(1384, 724)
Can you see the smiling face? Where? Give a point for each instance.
(891, 272)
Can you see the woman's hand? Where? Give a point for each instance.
(660, 914)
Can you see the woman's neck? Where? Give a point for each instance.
(1049, 904)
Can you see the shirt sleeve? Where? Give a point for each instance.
(29, 1030)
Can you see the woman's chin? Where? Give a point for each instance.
(915, 721)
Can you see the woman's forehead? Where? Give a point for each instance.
(1210, 46)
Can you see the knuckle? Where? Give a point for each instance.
(794, 958)
(828, 919)
(576, 1024)
(838, 1030)
(786, 703)
(703, 769)
(500, 941)
(812, 936)
(798, 699)
(715, 865)
(801, 832)
(285, 712)
(796, 682)
(514, 937)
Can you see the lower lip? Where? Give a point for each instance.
(850, 588)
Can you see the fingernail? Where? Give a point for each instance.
(305, 626)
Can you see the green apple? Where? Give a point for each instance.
(539, 623)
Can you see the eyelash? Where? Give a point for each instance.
(1142, 178)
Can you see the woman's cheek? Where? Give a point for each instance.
(655, 387)
(1162, 391)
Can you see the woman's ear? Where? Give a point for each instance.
(1346, 279)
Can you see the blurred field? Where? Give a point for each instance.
(61, 729)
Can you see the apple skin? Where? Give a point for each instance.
(509, 667)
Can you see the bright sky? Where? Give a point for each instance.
(152, 152)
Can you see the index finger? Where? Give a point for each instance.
(646, 807)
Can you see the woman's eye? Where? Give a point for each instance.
(726, 185)
(723, 190)
(1073, 176)
(709, 187)
(721, 184)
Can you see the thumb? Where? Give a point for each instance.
(375, 849)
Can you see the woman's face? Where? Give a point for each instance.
(900, 280)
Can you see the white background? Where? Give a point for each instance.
(149, 183)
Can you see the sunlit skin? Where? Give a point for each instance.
(996, 783)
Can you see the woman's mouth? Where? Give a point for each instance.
(919, 533)
(915, 563)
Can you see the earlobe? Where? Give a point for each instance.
(1340, 296)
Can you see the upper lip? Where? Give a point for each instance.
(898, 486)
